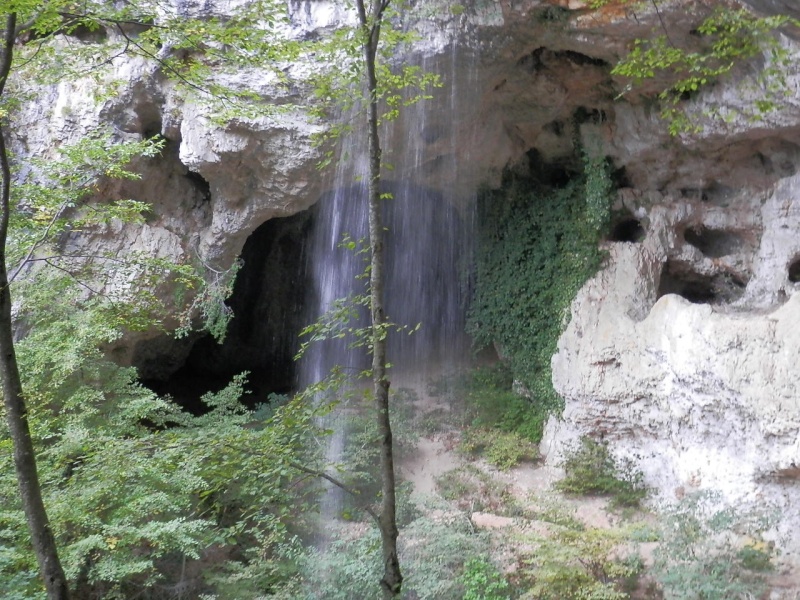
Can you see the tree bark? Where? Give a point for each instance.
(16, 412)
(392, 579)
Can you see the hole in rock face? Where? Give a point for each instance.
(794, 271)
(267, 303)
(150, 121)
(200, 184)
(713, 243)
(620, 179)
(553, 173)
(96, 35)
(551, 14)
(681, 279)
(627, 230)
(589, 115)
(533, 62)
(555, 127)
(582, 59)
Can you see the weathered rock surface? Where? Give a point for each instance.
(680, 352)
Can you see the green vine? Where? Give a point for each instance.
(536, 247)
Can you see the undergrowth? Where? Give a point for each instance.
(591, 469)
(492, 402)
(580, 564)
(500, 424)
(709, 551)
(434, 552)
(471, 489)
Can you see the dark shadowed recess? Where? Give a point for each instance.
(627, 229)
(714, 243)
(680, 278)
(794, 270)
(555, 173)
(267, 303)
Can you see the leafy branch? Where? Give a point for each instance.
(725, 39)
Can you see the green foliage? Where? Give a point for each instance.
(725, 39)
(579, 564)
(340, 90)
(347, 570)
(136, 490)
(57, 198)
(360, 461)
(433, 551)
(491, 402)
(482, 581)
(472, 489)
(196, 49)
(504, 426)
(501, 449)
(209, 302)
(712, 553)
(536, 248)
(590, 469)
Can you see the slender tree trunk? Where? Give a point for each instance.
(16, 412)
(392, 579)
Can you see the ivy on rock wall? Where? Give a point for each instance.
(537, 245)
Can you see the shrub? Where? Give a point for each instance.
(432, 551)
(590, 469)
(501, 449)
(491, 402)
(472, 489)
(482, 581)
(580, 564)
(359, 462)
(702, 555)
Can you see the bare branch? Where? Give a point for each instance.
(661, 20)
(37, 243)
(354, 493)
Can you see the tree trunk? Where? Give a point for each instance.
(392, 579)
(16, 412)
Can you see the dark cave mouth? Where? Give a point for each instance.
(629, 229)
(268, 306)
(714, 243)
(793, 271)
(698, 288)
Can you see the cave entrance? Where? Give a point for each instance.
(794, 271)
(268, 307)
(714, 243)
(629, 229)
(680, 278)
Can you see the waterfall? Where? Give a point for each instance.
(428, 250)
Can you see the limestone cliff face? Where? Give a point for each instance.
(681, 351)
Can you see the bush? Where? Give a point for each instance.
(474, 490)
(491, 402)
(359, 463)
(433, 553)
(482, 581)
(590, 469)
(503, 450)
(580, 564)
(712, 553)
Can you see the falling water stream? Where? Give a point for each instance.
(428, 252)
